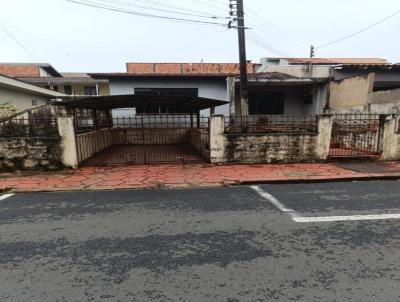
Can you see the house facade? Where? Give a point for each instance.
(46, 76)
(16, 96)
(208, 80)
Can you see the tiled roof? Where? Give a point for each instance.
(186, 68)
(334, 61)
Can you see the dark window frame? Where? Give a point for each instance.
(156, 91)
(68, 89)
(271, 103)
(93, 90)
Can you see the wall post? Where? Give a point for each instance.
(390, 138)
(66, 130)
(217, 139)
(324, 124)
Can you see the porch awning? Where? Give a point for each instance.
(130, 101)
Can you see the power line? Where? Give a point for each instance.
(197, 14)
(361, 30)
(210, 5)
(29, 35)
(121, 10)
(4, 29)
(262, 44)
(262, 19)
(163, 4)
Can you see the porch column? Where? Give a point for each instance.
(191, 119)
(198, 119)
(66, 130)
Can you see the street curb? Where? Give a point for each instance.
(216, 185)
(324, 180)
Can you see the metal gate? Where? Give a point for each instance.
(145, 140)
(355, 136)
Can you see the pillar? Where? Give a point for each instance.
(66, 130)
(324, 124)
(217, 139)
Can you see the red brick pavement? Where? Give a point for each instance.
(173, 176)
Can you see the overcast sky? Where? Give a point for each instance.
(77, 38)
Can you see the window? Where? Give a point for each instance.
(268, 103)
(68, 89)
(34, 102)
(194, 92)
(90, 90)
(163, 109)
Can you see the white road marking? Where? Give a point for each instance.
(271, 199)
(345, 218)
(2, 197)
(300, 219)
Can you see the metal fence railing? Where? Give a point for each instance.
(26, 127)
(271, 124)
(86, 123)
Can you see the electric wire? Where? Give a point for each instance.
(163, 17)
(7, 32)
(360, 31)
(197, 14)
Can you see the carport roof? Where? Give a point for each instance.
(128, 101)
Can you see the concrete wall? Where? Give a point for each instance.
(30, 154)
(22, 100)
(214, 89)
(269, 147)
(351, 92)
(391, 138)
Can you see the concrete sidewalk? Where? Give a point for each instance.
(181, 176)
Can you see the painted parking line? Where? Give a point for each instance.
(301, 219)
(345, 218)
(2, 197)
(270, 198)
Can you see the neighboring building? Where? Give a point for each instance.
(46, 76)
(320, 67)
(328, 85)
(22, 96)
(208, 80)
(365, 88)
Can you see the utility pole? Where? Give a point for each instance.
(310, 64)
(244, 93)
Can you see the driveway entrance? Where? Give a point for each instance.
(147, 140)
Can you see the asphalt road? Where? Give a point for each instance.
(211, 244)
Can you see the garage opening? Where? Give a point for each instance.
(143, 134)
